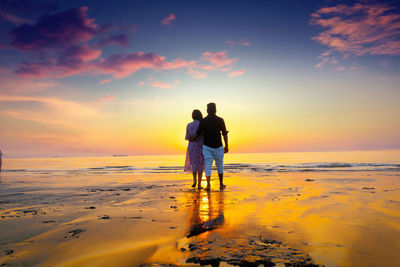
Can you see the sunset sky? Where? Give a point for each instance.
(122, 77)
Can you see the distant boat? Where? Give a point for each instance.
(118, 155)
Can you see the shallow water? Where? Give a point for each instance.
(341, 209)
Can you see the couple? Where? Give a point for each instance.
(204, 136)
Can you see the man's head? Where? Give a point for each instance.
(211, 108)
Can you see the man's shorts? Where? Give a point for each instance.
(210, 154)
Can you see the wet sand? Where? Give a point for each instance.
(155, 219)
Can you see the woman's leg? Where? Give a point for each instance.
(199, 175)
(194, 179)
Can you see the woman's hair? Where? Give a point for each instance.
(196, 115)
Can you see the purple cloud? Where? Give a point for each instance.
(115, 39)
(73, 60)
(55, 30)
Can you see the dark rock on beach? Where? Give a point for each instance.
(8, 251)
(34, 212)
(74, 233)
(367, 188)
(251, 251)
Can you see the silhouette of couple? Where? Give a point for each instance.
(205, 145)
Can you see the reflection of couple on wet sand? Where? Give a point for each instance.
(207, 212)
(205, 145)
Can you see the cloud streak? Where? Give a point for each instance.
(168, 20)
(236, 73)
(105, 98)
(242, 42)
(162, 85)
(14, 19)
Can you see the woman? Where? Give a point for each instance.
(194, 154)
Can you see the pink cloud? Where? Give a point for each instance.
(105, 98)
(105, 81)
(121, 66)
(162, 85)
(118, 65)
(236, 73)
(218, 59)
(359, 29)
(140, 84)
(168, 20)
(242, 42)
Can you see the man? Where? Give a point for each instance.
(212, 127)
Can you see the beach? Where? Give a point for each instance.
(279, 209)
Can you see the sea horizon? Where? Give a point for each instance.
(5, 156)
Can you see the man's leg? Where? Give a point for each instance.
(219, 161)
(208, 159)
